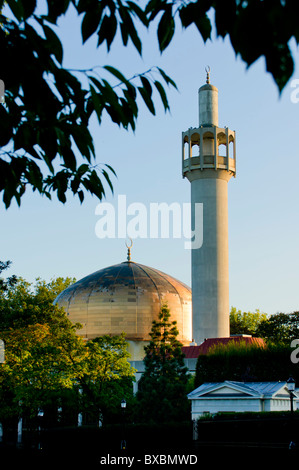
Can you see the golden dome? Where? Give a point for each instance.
(126, 297)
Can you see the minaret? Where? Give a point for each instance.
(209, 161)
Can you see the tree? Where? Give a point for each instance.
(107, 377)
(24, 304)
(47, 110)
(280, 328)
(245, 322)
(256, 28)
(45, 358)
(34, 136)
(162, 388)
(10, 281)
(43, 354)
(39, 360)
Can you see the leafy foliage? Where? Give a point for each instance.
(42, 350)
(245, 322)
(250, 362)
(45, 358)
(44, 122)
(280, 328)
(162, 388)
(256, 28)
(47, 110)
(107, 375)
(23, 304)
(242, 362)
(10, 281)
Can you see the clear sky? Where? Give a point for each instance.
(48, 239)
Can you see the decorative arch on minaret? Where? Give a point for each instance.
(209, 147)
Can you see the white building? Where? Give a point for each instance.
(215, 397)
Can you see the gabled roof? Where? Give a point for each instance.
(229, 389)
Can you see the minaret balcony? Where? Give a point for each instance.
(209, 161)
(209, 147)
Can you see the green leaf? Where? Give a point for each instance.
(167, 79)
(108, 179)
(69, 158)
(139, 12)
(82, 169)
(203, 25)
(110, 168)
(147, 99)
(54, 44)
(60, 181)
(56, 9)
(94, 185)
(162, 94)
(194, 13)
(75, 183)
(146, 85)
(81, 195)
(128, 29)
(280, 65)
(96, 82)
(130, 96)
(107, 30)
(135, 38)
(153, 8)
(34, 175)
(124, 33)
(117, 74)
(83, 140)
(166, 28)
(109, 94)
(91, 21)
(97, 104)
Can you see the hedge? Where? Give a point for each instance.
(240, 362)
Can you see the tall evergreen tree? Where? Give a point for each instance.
(162, 388)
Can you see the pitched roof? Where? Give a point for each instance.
(192, 352)
(254, 389)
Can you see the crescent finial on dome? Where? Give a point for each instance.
(129, 249)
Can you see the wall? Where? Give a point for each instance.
(201, 406)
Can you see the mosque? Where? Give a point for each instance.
(128, 296)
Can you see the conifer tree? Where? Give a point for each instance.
(162, 392)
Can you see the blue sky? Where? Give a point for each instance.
(48, 239)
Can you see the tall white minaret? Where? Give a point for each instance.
(209, 161)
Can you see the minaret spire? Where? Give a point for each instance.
(208, 102)
(208, 70)
(209, 161)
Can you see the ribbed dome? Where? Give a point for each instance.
(126, 298)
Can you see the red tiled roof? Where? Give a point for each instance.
(192, 352)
